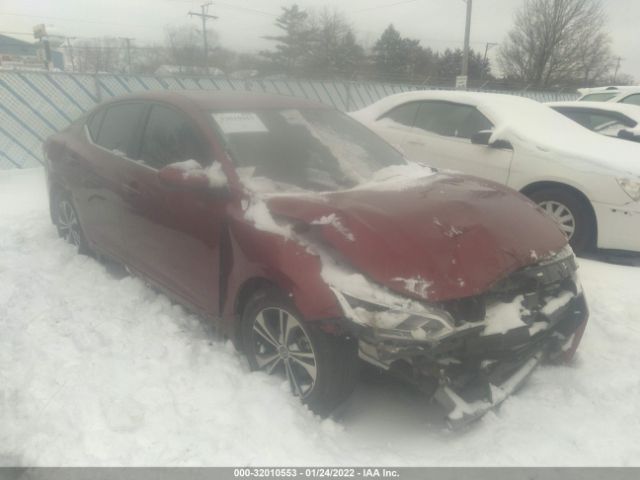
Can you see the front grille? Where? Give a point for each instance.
(537, 278)
(536, 283)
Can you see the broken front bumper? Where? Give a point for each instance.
(470, 373)
(462, 412)
(492, 342)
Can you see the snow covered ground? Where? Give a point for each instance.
(98, 369)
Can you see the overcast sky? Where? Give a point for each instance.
(242, 23)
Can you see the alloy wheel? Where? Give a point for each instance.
(68, 224)
(562, 216)
(281, 346)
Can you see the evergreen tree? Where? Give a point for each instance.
(335, 51)
(392, 55)
(295, 44)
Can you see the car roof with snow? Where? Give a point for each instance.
(529, 122)
(629, 110)
(218, 100)
(493, 101)
(614, 94)
(620, 88)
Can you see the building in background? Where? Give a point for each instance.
(18, 54)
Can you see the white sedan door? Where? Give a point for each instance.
(441, 137)
(396, 124)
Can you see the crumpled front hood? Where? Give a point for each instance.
(436, 238)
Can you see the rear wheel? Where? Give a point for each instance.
(320, 368)
(67, 222)
(570, 213)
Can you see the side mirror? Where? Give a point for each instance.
(187, 175)
(482, 137)
(502, 144)
(628, 135)
(625, 134)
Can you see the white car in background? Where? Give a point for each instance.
(611, 119)
(590, 183)
(630, 95)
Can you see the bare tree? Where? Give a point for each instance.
(557, 42)
(99, 55)
(335, 51)
(184, 45)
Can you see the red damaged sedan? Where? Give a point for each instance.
(315, 245)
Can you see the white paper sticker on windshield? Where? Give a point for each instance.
(239, 122)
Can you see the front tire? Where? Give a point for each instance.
(570, 213)
(67, 222)
(321, 369)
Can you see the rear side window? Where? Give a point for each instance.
(169, 137)
(404, 114)
(93, 125)
(632, 99)
(597, 121)
(120, 126)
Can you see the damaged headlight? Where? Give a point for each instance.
(405, 320)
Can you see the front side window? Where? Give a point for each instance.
(311, 149)
(120, 126)
(451, 119)
(94, 123)
(632, 99)
(169, 138)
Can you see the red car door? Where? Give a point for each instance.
(173, 236)
(101, 152)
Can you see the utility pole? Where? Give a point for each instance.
(70, 50)
(127, 42)
(615, 75)
(487, 47)
(204, 16)
(467, 39)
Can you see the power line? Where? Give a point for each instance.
(384, 6)
(204, 8)
(73, 20)
(236, 7)
(246, 9)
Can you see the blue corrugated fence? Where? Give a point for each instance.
(33, 105)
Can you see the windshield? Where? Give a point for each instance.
(311, 149)
(598, 97)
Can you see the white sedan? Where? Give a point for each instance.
(611, 119)
(589, 182)
(629, 95)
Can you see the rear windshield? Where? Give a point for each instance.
(598, 97)
(311, 149)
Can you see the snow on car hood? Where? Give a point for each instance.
(435, 238)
